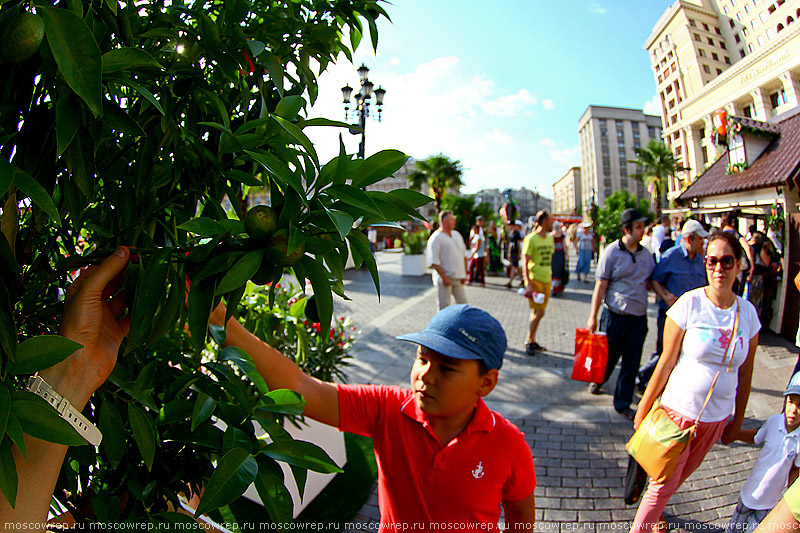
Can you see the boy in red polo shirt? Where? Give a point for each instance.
(444, 459)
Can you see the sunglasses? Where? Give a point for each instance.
(726, 261)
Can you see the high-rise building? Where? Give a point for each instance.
(738, 55)
(567, 193)
(609, 137)
(529, 202)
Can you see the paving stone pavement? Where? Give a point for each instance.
(577, 439)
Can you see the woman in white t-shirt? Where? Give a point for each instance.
(697, 333)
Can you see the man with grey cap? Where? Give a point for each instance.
(621, 287)
(443, 457)
(681, 269)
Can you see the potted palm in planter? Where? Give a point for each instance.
(414, 260)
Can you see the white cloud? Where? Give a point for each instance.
(498, 137)
(653, 106)
(511, 105)
(548, 104)
(394, 61)
(549, 143)
(598, 9)
(566, 156)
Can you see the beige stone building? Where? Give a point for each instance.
(567, 193)
(740, 55)
(609, 137)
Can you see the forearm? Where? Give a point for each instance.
(439, 270)
(747, 435)
(599, 293)
(520, 515)
(660, 290)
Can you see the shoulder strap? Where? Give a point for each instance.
(722, 363)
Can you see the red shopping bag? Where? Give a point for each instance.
(591, 356)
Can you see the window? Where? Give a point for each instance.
(737, 38)
(749, 48)
(761, 40)
(747, 8)
(716, 30)
(733, 2)
(789, 20)
(763, 16)
(754, 24)
(719, 71)
(705, 26)
(651, 132)
(739, 16)
(722, 45)
(727, 60)
(742, 53)
(710, 41)
(697, 37)
(692, 23)
(726, 10)
(701, 52)
(777, 98)
(706, 69)
(714, 56)
(669, 89)
(770, 33)
(669, 56)
(671, 104)
(780, 28)
(745, 32)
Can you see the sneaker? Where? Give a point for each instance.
(530, 348)
(594, 388)
(538, 347)
(628, 413)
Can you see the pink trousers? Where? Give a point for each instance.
(657, 496)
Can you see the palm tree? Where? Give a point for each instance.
(440, 173)
(658, 164)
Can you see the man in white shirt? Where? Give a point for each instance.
(372, 236)
(447, 255)
(660, 232)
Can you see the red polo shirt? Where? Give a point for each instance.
(422, 483)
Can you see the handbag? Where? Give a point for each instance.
(659, 441)
(591, 356)
(635, 481)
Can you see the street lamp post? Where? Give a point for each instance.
(361, 106)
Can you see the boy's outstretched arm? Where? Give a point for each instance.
(280, 372)
(520, 515)
(793, 473)
(747, 435)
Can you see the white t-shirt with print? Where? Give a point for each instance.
(708, 332)
(770, 475)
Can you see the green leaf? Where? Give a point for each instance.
(278, 169)
(201, 300)
(127, 59)
(67, 122)
(289, 106)
(234, 473)
(43, 351)
(355, 197)
(204, 407)
(343, 221)
(6, 176)
(302, 454)
(151, 293)
(297, 238)
(342, 163)
(393, 207)
(318, 276)
(202, 226)
(243, 270)
(8, 473)
(37, 194)
(5, 408)
(413, 198)
(170, 310)
(360, 243)
(144, 433)
(282, 401)
(274, 495)
(322, 122)
(8, 327)
(113, 429)
(245, 363)
(379, 166)
(80, 162)
(40, 420)
(244, 178)
(141, 90)
(120, 121)
(15, 433)
(298, 135)
(76, 53)
(275, 69)
(218, 263)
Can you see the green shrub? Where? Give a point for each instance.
(414, 242)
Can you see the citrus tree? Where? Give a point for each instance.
(129, 124)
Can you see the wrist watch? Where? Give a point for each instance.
(67, 411)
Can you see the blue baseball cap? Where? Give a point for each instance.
(463, 332)
(794, 385)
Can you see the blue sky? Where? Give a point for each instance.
(498, 85)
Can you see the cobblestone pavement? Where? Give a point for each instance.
(577, 439)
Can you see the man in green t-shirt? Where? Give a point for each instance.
(538, 248)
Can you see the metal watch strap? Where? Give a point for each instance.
(66, 410)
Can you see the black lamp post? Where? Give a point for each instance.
(361, 104)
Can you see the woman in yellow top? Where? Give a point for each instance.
(537, 249)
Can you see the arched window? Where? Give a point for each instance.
(780, 28)
(789, 20)
(797, 13)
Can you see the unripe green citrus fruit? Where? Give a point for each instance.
(312, 313)
(264, 273)
(261, 222)
(22, 37)
(278, 249)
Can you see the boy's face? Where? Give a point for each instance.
(445, 387)
(791, 411)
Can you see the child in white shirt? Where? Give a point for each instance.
(777, 465)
